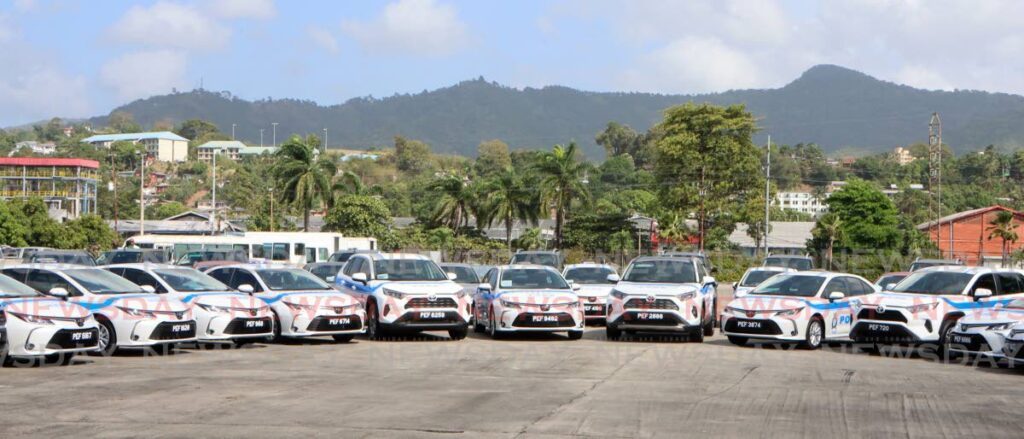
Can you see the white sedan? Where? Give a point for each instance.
(527, 298)
(753, 277)
(303, 305)
(984, 332)
(129, 316)
(221, 313)
(34, 326)
(595, 283)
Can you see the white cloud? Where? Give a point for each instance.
(142, 74)
(33, 87)
(170, 25)
(322, 38)
(253, 9)
(411, 27)
(693, 65)
(24, 5)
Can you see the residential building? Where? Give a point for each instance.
(964, 235)
(788, 238)
(66, 185)
(229, 148)
(804, 202)
(163, 146)
(45, 148)
(250, 151)
(902, 156)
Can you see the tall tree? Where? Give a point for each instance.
(869, 218)
(412, 156)
(562, 181)
(1004, 228)
(510, 200)
(707, 161)
(456, 204)
(828, 230)
(304, 177)
(491, 157)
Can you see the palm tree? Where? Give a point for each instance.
(621, 241)
(510, 200)
(305, 177)
(1003, 227)
(456, 204)
(530, 239)
(562, 180)
(675, 230)
(830, 229)
(348, 183)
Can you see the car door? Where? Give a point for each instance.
(1011, 286)
(481, 298)
(838, 314)
(350, 286)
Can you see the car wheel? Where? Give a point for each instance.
(342, 338)
(107, 337)
(492, 326)
(944, 338)
(738, 341)
(575, 335)
(163, 349)
(696, 336)
(242, 342)
(612, 333)
(478, 327)
(815, 334)
(709, 327)
(459, 333)
(277, 338)
(372, 327)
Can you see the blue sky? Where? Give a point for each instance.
(82, 58)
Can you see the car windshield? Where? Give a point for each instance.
(99, 281)
(661, 271)
(547, 259)
(754, 278)
(187, 280)
(463, 275)
(407, 269)
(925, 264)
(531, 278)
(589, 275)
(279, 279)
(64, 258)
(797, 263)
(324, 271)
(12, 288)
(341, 256)
(791, 285)
(890, 279)
(934, 282)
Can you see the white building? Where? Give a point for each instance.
(46, 148)
(163, 146)
(229, 148)
(801, 202)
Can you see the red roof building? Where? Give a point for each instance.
(964, 235)
(66, 185)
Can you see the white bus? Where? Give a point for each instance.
(297, 248)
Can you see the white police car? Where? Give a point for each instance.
(806, 307)
(405, 292)
(926, 306)
(302, 304)
(665, 295)
(527, 298)
(595, 282)
(753, 277)
(129, 316)
(984, 332)
(221, 313)
(34, 326)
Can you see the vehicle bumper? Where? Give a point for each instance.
(891, 332)
(307, 325)
(31, 340)
(426, 319)
(560, 320)
(772, 328)
(1013, 350)
(654, 321)
(980, 343)
(594, 308)
(150, 332)
(226, 327)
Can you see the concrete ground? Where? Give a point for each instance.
(537, 386)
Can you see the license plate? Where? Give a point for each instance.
(81, 336)
(431, 315)
(255, 324)
(650, 316)
(961, 339)
(339, 321)
(181, 328)
(593, 308)
(543, 319)
(751, 324)
(878, 328)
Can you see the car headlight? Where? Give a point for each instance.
(136, 312)
(922, 308)
(213, 308)
(789, 312)
(507, 304)
(300, 306)
(618, 294)
(395, 294)
(999, 327)
(687, 295)
(39, 320)
(569, 304)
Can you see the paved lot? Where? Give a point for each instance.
(541, 386)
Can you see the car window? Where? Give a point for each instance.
(11, 288)
(701, 271)
(463, 275)
(187, 280)
(407, 270)
(492, 278)
(126, 257)
(934, 282)
(865, 288)
(99, 281)
(755, 277)
(223, 275)
(985, 281)
(139, 277)
(243, 277)
(661, 271)
(531, 278)
(44, 281)
(1010, 283)
(589, 275)
(791, 285)
(836, 285)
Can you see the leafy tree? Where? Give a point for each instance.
(828, 230)
(412, 156)
(457, 202)
(674, 229)
(530, 239)
(42, 230)
(561, 182)
(707, 161)
(193, 129)
(360, 215)
(123, 122)
(304, 177)
(509, 200)
(13, 228)
(492, 157)
(869, 218)
(92, 233)
(165, 210)
(621, 242)
(591, 232)
(1003, 227)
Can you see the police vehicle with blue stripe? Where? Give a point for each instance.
(668, 295)
(34, 326)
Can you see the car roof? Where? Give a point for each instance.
(52, 267)
(60, 252)
(663, 258)
(377, 256)
(789, 257)
(267, 266)
(320, 264)
(588, 264)
(146, 266)
(455, 264)
(526, 267)
(961, 269)
(896, 273)
(771, 268)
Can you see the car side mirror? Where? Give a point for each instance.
(246, 288)
(452, 276)
(359, 277)
(60, 293)
(613, 278)
(484, 287)
(835, 295)
(575, 286)
(148, 288)
(709, 280)
(890, 286)
(330, 278)
(982, 293)
(735, 285)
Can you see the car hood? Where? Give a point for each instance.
(742, 291)
(993, 316)
(904, 300)
(761, 302)
(597, 290)
(539, 297)
(645, 289)
(147, 302)
(319, 298)
(44, 307)
(225, 300)
(440, 288)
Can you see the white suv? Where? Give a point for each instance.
(595, 282)
(405, 292)
(663, 294)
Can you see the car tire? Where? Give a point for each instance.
(478, 328)
(697, 336)
(242, 342)
(815, 334)
(709, 327)
(343, 338)
(492, 326)
(944, 332)
(612, 333)
(277, 337)
(106, 332)
(738, 341)
(372, 324)
(459, 333)
(575, 335)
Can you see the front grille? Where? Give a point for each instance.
(559, 320)
(430, 318)
(656, 304)
(746, 326)
(866, 332)
(888, 315)
(242, 326)
(174, 331)
(335, 323)
(423, 302)
(975, 343)
(75, 339)
(650, 319)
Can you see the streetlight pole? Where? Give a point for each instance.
(233, 131)
(261, 137)
(213, 217)
(325, 139)
(142, 194)
(275, 133)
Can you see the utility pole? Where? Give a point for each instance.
(142, 194)
(274, 136)
(935, 174)
(233, 131)
(113, 186)
(261, 137)
(767, 194)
